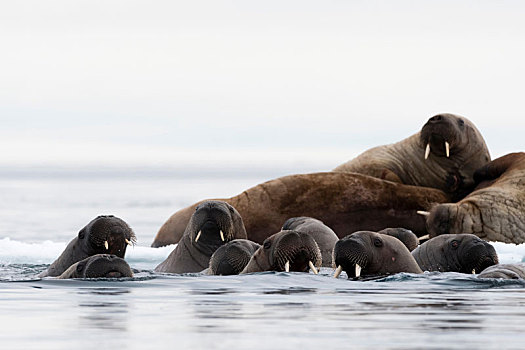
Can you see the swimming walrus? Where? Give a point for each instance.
(232, 258)
(345, 202)
(99, 266)
(408, 237)
(443, 155)
(465, 253)
(287, 251)
(367, 253)
(495, 211)
(506, 271)
(212, 224)
(106, 234)
(324, 236)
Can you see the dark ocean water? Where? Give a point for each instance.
(41, 213)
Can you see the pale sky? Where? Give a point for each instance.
(158, 82)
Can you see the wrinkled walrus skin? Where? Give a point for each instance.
(422, 160)
(345, 202)
(495, 211)
(505, 271)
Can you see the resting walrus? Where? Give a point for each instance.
(345, 202)
(463, 253)
(367, 253)
(213, 224)
(105, 234)
(495, 211)
(99, 266)
(443, 155)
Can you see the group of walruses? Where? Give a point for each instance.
(364, 217)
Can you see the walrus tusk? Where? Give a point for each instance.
(338, 271)
(222, 235)
(127, 242)
(287, 266)
(314, 270)
(427, 151)
(106, 244)
(419, 239)
(473, 271)
(357, 270)
(447, 149)
(422, 212)
(198, 235)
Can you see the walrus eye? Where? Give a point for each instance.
(378, 242)
(80, 267)
(454, 244)
(81, 234)
(267, 244)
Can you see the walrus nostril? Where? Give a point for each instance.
(435, 118)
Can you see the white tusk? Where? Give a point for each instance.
(128, 242)
(287, 266)
(419, 239)
(338, 271)
(106, 244)
(447, 149)
(222, 235)
(198, 235)
(422, 212)
(357, 270)
(473, 271)
(427, 150)
(313, 267)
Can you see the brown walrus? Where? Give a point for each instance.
(212, 224)
(443, 155)
(465, 253)
(367, 253)
(505, 271)
(286, 250)
(345, 202)
(106, 234)
(495, 211)
(99, 266)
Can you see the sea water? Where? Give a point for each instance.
(43, 209)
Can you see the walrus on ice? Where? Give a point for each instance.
(106, 234)
(345, 202)
(495, 211)
(212, 224)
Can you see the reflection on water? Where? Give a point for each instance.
(103, 308)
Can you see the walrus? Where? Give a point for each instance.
(443, 155)
(287, 251)
(323, 235)
(495, 211)
(506, 271)
(106, 234)
(409, 238)
(232, 258)
(345, 202)
(465, 253)
(367, 253)
(99, 266)
(213, 224)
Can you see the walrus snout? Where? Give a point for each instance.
(108, 234)
(478, 256)
(440, 218)
(296, 251)
(232, 258)
(350, 255)
(441, 134)
(106, 265)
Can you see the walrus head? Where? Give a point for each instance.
(231, 258)
(106, 234)
(99, 266)
(370, 253)
(213, 224)
(408, 237)
(454, 142)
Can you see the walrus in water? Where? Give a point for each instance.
(99, 266)
(286, 250)
(323, 235)
(495, 211)
(367, 253)
(506, 271)
(443, 155)
(213, 224)
(465, 253)
(106, 234)
(408, 237)
(345, 202)
(232, 258)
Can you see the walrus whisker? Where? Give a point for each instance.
(198, 235)
(427, 151)
(423, 212)
(338, 271)
(314, 270)
(419, 239)
(447, 149)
